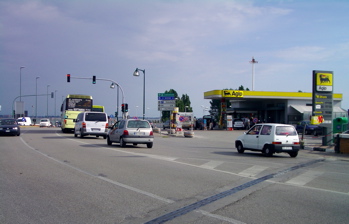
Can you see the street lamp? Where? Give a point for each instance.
(36, 97)
(112, 86)
(20, 83)
(55, 102)
(136, 73)
(47, 101)
(253, 62)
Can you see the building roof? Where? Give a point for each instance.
(235, 94)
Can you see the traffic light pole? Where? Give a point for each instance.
(124, 115)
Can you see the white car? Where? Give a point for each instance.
(270, 138)
(45, 123)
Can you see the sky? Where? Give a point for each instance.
(190, 46)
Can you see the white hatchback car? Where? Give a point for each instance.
(45, 123)
(270, 138)
(131, 131)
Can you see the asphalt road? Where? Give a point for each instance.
(50, 177)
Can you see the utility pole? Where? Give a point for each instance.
(253, 62)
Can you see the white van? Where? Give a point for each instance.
(24, 121)
(91, 123)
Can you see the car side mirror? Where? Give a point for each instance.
(75, 120)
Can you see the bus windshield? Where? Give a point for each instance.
(78, 104)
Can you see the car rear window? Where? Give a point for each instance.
(95, 117)
(8, 122)
(285, 130)
(138, 124)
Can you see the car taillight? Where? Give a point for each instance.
(296, 143)
(276, 143)
(125, 132)
(65, 121)
(83, 125)
(151, 133)
(106, 125)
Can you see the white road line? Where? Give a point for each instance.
(304, 178)
(226, 219)
(211, 164)
(103, 178)
(253, 171)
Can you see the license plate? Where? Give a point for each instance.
(287, 148)
(7, 131)
(139, 133)
(95, 129)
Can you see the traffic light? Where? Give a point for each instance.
(94, 79)
(52, 96)
(68, 77)
(123, 107)
(126, 107)
(116, 114)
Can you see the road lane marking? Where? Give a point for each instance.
(211, 164)
(196, 205)
(223, 218)
(253, 171)
(101, 178)
(304, 178)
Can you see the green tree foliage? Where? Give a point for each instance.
(183, 103)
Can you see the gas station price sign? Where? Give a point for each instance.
(323, 95)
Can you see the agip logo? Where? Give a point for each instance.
(324, 82)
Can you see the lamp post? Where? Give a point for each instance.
(36, 97)
(47, 101)
(253, 62)
(112, 86)
(136, 73)
(20, 83)
(55, 101)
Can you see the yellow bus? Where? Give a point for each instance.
(72, 105)
(98, 108)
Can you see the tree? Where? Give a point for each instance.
(182, 103)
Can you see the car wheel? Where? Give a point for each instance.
(81, 134)
(104, 137)
(268, 151)
(122, 143)
(240, 148)
(108, 141)
(75, 135)
(293, 154)
(149, 145)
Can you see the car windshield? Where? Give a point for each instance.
(138, 124)
(44, 120)
(96, 117)
(285, 130)
(8, 122)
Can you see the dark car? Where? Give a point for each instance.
(9, 126)
(310, 129)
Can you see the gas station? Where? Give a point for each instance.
(267, 106)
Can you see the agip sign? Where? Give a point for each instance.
(323, 95)
(324, 82)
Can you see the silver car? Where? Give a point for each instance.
(131, 131)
